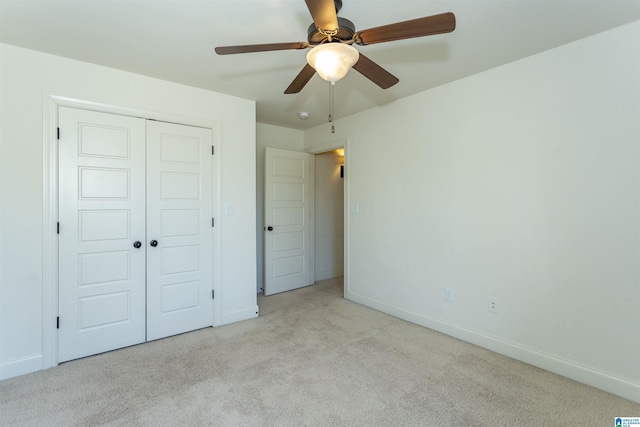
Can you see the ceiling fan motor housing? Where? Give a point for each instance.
(345, 32)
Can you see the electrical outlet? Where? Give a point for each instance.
(493, 305)
(448, 294)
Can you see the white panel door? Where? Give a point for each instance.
(288, 253)
(102, 215)
(179, 229)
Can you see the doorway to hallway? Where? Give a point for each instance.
(329, 215)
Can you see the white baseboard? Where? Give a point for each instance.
(237, 316)
(24, 365)
(324, 275)
(603, 381)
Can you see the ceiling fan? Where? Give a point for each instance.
(330, 32)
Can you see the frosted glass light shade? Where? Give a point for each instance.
(332, 60)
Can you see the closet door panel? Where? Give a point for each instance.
(102, 214)
(179, 211)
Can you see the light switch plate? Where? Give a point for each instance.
(448, 294)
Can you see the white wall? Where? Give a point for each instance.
(329, 216)
(520, 183)
(25, 77)
(274, 137)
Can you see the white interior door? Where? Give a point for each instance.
(179, 229)
(102, 215)
(288, 249)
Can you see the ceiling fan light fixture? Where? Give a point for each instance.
(332, 61)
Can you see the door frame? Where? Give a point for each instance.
(334, 145)
(50, 289)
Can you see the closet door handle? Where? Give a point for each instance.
(153, 243)
(137, 244)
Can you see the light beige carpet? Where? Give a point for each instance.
(310, 359)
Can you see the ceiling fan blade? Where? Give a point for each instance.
(324, 14)
(301, 80)
(427, 26)
(228, 50)
(375, 73)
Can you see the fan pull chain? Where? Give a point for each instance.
(332, 84)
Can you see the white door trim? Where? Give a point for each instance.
(334, 145)
(51, 102)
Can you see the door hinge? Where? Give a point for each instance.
(213, 294)
(213, 150)
(213, 222)
(58, 133)
(57, 228)
(58, 322)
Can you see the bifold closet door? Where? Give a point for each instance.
(102, 226)
(179, 229)
(135, 241)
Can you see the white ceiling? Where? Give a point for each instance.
(174, 40)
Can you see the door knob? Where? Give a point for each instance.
(270, 228)
(153, 243)
(137, 244)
